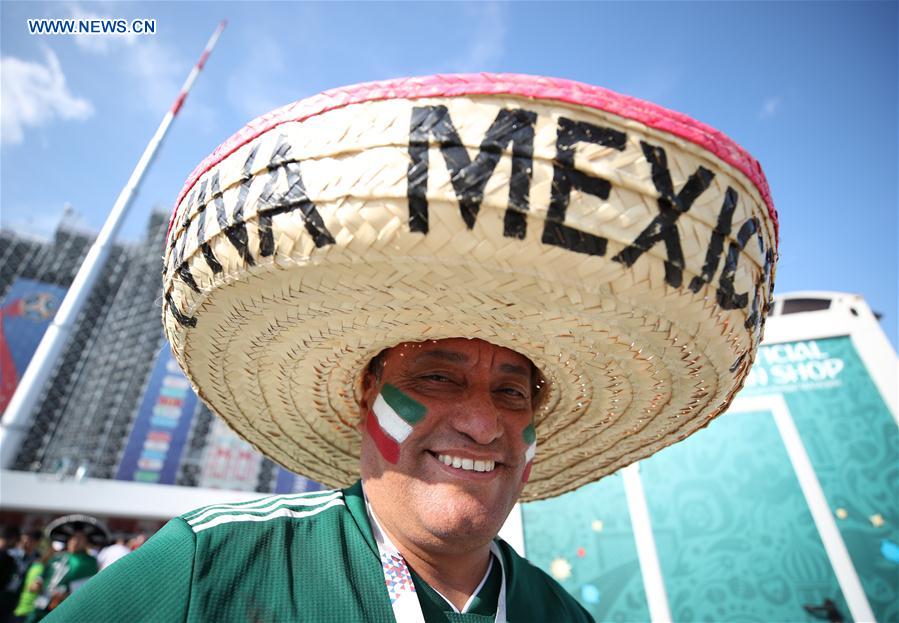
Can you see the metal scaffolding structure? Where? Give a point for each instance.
(87, 410)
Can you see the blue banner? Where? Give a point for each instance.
(163, 422)
(25, 313)
(288, 482)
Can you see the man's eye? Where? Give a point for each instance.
(436, 377)
(513, 392)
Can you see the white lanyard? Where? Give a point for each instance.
(403, 598)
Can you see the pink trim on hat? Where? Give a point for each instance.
(538, 87)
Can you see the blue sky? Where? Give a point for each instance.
(809, 88)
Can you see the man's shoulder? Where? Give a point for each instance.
(263, 513)
(538, 591)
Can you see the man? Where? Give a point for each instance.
(136, 541)
(31, 586)
(414, 282)
(443, 495)
(24, 554)
(113, 552)
(65, 573)
(10, 581)
(475, 402)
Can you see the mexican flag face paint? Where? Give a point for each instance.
(391, 419)
(530, 437)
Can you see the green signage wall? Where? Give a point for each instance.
(735, 538)
(853, 442)
(734, 534)
(585, 541)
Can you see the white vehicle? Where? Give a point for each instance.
(784, 509)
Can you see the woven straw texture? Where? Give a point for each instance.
(633, 266)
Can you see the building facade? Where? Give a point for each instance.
(116, 407)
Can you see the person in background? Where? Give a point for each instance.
(9, 579)
(31, 585)
(65, 573)
(27, 550)
(23, 555)
(136, 541)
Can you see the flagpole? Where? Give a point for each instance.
(17, 417)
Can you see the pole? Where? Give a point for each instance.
(17, 417)
(653, 582)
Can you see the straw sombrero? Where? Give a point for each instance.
(62, 528)
(627, 250)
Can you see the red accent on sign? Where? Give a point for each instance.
(581, 552)
(168, 401)
(387, 446)
(527, 472)
(9, 375)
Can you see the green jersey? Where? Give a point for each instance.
(27, 598)
(308, 557)
(63, 575)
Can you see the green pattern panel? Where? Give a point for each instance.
(853, 443)
(584, 540)
(735, 538)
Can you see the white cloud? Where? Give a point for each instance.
(658, 83)
(256, 85)
(34, 94)
(158, 70)
(99, 44)
(481, 49)
(770, 107)
(32, 221)
(488, 37)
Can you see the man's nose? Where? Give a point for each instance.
(477, 417)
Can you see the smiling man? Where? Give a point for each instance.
(440, 296)
(447, 444)
(447, 451)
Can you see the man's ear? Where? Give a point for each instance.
(369, 393)
(371, 385)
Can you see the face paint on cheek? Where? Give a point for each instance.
(530, 437)
(391, 419)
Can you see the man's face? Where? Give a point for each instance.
(27, 543)
(77, 543)
(462, 401)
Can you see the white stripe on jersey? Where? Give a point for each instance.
(304, 499)
(280, 512)
(251, 503)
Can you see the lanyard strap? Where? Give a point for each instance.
(401, 589)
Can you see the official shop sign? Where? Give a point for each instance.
(795, 365)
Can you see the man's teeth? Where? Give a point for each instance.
(466, 464)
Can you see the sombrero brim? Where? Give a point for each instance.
(627, 250)
(61, 528)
